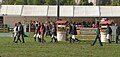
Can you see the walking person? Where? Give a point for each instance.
(37, 33)
(108, 32)
(97, 37)
(117, 34)
(15, 30)
(20, 32)
(42, 31)
(47, 30)
(54, 33)
(74, 33)
(69, 31)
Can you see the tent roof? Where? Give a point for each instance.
(34, 10)
(61, 21)
(106, 22)
(65, 11)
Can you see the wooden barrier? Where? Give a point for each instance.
(4, 30)
(86, 31)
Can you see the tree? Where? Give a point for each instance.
(8, 2)
(50, 2)
(35, 2)
(69, 2)
(84, 2)
(115, 2)
(21, 2)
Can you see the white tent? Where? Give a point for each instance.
(34, 10)
(14, 10)
(65, 11)
(110, 11)
(52, 11)
(86, 11)
(3, 9)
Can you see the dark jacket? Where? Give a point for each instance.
(74, 31)
(70, 29)
(118, 31)
(37, 29)
(21, 29)
(54, 31)
(109, 30)
(47, 28)
(97, 31)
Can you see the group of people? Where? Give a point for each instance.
(47, 29)
(108, 35)
(44, 29)
(18, 31)
(50, 29)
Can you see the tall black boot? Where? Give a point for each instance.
(77, 39)
(55, 40)
(39, 39)
(73, 40)
(51, 40)
(34, 38)
(19, 39)
(70, 39)
(109, 41)
(14, 39)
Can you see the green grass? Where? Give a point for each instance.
(60, 49)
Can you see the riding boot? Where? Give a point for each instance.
(39, 40)
(14, 39)
(34, 38)
(77, 39)
(20, 40)
(55, 40)
(51, 39)
(73, 40)
(70, 39)
(109, 41)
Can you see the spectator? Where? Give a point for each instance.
(37, 33)
(47, 29)
(54, 33)
(20, 32)
(74, 33)
(117, 34)
(15, 30)
(70, 31)
(108, 32)
(97, 37)
(42, 31)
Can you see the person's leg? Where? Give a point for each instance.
(15, 35)
(35, 37)
(18, 37)
(39, 38)
(108, 38)
(55, 38)
(51, 39)
(100, 41)
(23, 38)
(117, 39)
(70, 36)
(42, 37)
(73, 38)
(77, 40)
(95, 41)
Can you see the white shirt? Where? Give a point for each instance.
(14, 30)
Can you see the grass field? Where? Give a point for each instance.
(60, 49)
